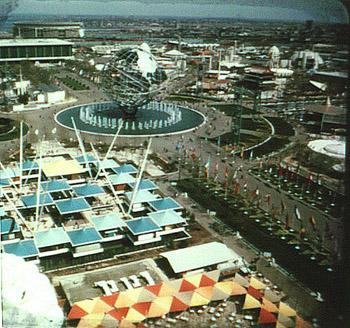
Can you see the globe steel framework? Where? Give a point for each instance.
(131, 78)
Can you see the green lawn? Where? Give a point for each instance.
(74, 84)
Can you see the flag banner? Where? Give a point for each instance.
(283, 205)
(268, 199)
(207, 168)
(297, 213)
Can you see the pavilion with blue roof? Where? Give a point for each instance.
(126, 168)
(88, 190)
(9, 227)
(23, 248)
(121, 179)
(55, 186)
(48, 240)
(143, 230)
(45, 199)
(72, 205)
(107, 164)
(110, 225)
(164, 204)
(167, 218)
(5, 182)
(84, 236)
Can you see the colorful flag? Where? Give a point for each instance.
(251, 155)
(237, 188)
(242, 152)
(219, 141)
(283, 206)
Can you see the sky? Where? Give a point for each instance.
(318, 10)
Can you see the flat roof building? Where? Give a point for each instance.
(59, 30)
(209, 255)
(14, 50)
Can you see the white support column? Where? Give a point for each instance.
(82, 148)
(109, 182)
(21, 157)
(38, 191)
(134, 192)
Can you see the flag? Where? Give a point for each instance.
(251, 155)
(219, 141)
(226, 172)
(260, 164)
(283, 206)
(286, 223)
(237, 188)
(255, 193)
(270, 170)
(313, 223)
(207, 168)
(193, 155)
(245, 186)
(310, 178)
(268, 199)
(280, 170)
(297, 213)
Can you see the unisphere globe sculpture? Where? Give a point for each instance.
(132, 78)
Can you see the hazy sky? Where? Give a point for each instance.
(321, 10)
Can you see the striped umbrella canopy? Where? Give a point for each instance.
(225, 286)
(156, 310)
(178, 306)
(110, 299)
(76, 312)
(134, 316)
(286, 310)
(257, 284)
(285, 321)
(206, 292)
(119, 313)
(266, 317)
(237, 289)
(269, 306)
(91, 320)
(241, 280)
(271, 296)
(126, 324)
(146, 296)
(195, 280)
(198, 300)
(251, 303)
(184, 297)
(142, 307)
(109, 321)
(128, 298)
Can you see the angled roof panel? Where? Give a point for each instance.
(145, 184)
(29, 201)
(108, 221)
(72, 205)
(22, 248)
(55, 185)
(88, 190)
(52, 237)
(84, 236)
(164, 204)
(126, 168)
(167, 217)
(142, 225)
(8, 226)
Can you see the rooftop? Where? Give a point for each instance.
(52, 237)
(108, 221)
(72, 205)
(126, 168)
(199, 256)
(164, 204)
(8, 226)
(145, 184)
(84, 236)
(31, 200)
(165, 218)
(142, 225)
(123, 178)
(142, 196)
(55, 185)
(88, 190)
(33, 42)
(22, 248)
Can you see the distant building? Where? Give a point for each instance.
(12, 50)
(307, 59)
(261, 81)
(38, 30)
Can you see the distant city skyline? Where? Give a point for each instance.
(331, 11)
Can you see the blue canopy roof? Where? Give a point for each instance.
(165, 204)
(89, 157)
(72, 205)
(84, 236)
(142, 225)
(108, 164)
(88, 190)
(22, 248)
(145, 184)
(123, 178)
(5, 182)
(142, 196)
(30, 200)
(2, 211)
(167, 217)
(29, 165)
(108, 221)
(54, 236)
(10, 172)
(8, 226)
(126, 168)
(55, 185)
